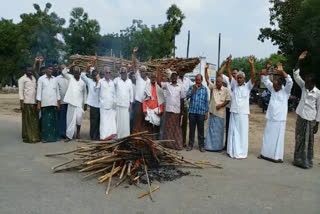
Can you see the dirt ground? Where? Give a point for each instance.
(249, 186)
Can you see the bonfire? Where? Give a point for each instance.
(135, 159)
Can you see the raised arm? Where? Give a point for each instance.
(206, 75)
(289, 82)
(226, 65)
(158, 75)
(65, 71)
(253, 72)
(34, 67)
(296, 73)
(134, 59)
(266, 79)
(84, 74)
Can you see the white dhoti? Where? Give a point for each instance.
(273, 140)
(152, 116)
(108, 126)
(74, 118)
(238, 135)
(123, 122)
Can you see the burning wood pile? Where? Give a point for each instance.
(184, 65)
(136, 159)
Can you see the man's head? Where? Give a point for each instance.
(123, 73)
(173, 77)
(240, 77)
(132, 77)
(28, 70)
(198, 79)
(107, 72)
(234, 72)
(219, 82)
(76, 72)
(278, 82)
(55, 71)
(49, 70)
(143, 70)
(153, 77)
(94, 74)
(43, 70)
(309, 81)
(181, 75)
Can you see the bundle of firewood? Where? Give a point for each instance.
(136, 159)
(180, 65)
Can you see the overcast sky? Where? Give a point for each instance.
(238, 21)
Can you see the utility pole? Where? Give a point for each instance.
(188, 43)
(174, 46)
(219, 47)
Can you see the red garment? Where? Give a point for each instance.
(152, 104)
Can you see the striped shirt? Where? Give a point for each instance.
(198, 101)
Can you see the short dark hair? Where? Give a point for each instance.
(219, 76)
(235, 69)
(28, 66)
(42, 68)
(200, 76)
(94, 72)
(281, 81)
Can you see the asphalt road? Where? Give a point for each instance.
(27, 185)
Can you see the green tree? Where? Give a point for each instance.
(39, 35)
(82, 34)
(9, 54)
(174, 22)
(295, 27)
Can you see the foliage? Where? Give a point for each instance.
(39, 32)
(82, 35)
(35, 35)
(9, 54)
(42, 33)
(295, 27)
(174, 22)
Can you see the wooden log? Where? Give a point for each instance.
(147, 193)
(62, 164)
(60, 153)
(106, 176)
(123, 170)
(110, 178)
(96, 172)
(146, 171)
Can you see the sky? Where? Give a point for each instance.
(238, 21)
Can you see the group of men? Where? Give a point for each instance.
(53, 107)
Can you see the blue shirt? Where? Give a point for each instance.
(198, 101)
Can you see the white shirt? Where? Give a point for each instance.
(278, 105)
(309, 105)
(186, 83)
(93, 95)
(140, 87)
(226, 80)
(107, 93)
(48, 91)
(27, 89)
(63, 84)
(76, 94)
(124, 92)
(173, 96)
(240, 96)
